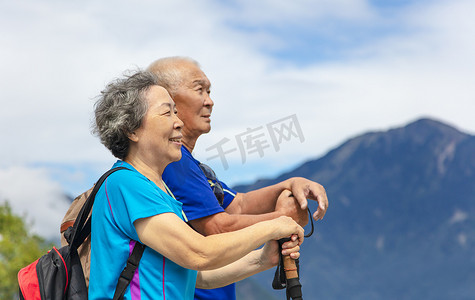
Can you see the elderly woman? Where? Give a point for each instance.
(137, 121)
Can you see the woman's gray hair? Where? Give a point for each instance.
(120, 109)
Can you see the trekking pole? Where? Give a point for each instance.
(287, 272)
(293, 286)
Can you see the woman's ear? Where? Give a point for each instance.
(133, 136)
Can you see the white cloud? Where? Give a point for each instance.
(458, 217)
(31, 193)
(283, 13)
(380, 243)
(421, 73)
(59, 55)
(462, 239)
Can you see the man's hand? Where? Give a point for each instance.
(303, 189)
(288, 206)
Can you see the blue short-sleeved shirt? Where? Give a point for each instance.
(190, 186)
(124, 197)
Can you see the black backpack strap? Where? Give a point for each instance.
(81, 229)
(129, 270)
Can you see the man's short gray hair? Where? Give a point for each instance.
(120, 109)
(169, 71)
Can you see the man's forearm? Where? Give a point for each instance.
(260, 201)
(264, 200)
(224, 222)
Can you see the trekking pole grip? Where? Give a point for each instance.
(293, 285)
(290, 267)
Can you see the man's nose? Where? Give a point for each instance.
(208, 100)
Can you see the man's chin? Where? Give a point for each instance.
(206, 129)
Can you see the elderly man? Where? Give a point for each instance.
(210, 205)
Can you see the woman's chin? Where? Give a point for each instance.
(176, 156)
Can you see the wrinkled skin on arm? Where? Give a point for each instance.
(287, 198)
(230, 253)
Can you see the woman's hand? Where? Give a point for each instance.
(285, 227)
(292, 247)
(270, 251)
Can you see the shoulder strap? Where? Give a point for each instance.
(129, 270)
(81, 229)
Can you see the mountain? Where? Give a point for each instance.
(401, 221)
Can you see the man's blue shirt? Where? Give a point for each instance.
(189, 185)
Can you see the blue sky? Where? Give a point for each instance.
(342, 67)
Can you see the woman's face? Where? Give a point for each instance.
(158, 140)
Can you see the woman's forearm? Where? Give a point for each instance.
(223, 249)
(236, 271)
(191, 250)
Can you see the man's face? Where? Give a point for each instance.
(193, 102)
